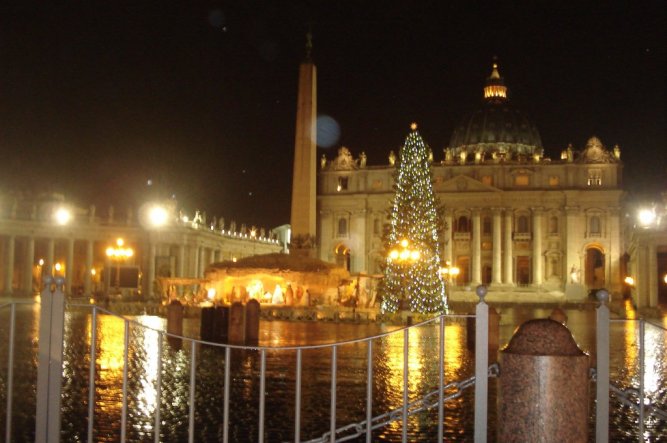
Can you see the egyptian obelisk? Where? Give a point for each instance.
(304, 197)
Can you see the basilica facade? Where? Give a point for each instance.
(514, 219)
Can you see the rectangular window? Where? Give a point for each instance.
(521, 180)
(554, 180)
(342, 184)
(487, 180)
(594, 177)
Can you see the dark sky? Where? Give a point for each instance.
(97, 97)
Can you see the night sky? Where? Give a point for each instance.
(99, 97)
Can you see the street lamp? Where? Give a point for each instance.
(119, 254)
(404, 256)
(449, 274)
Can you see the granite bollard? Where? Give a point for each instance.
(252, 322)
(543, 386)
(175, 318)
(236, 330)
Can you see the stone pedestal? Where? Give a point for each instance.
(214, 324)
(252, 322)
(236, 331)
(543, 386)
(175, 318)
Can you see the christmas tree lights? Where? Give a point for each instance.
(412, 277)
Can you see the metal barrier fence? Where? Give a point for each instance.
(50, 367)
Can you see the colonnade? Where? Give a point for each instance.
(83, 254)
(503, 264)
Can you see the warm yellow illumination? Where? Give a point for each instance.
(646, 217)
(62, 216)
(404, 243)
(413, 126)
(58, 267)
(158, 216)
(41, 262)
(665, 278)
(211, 293)
(454, 271)
(119, 252)
(629, 281)
(93, 272)
(414, 255)
(393, 254)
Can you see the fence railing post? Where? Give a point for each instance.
(602, 369)
(50, 361)
(481, 365)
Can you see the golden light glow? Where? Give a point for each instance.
(393, 254)
(62, 216)
(646, 217)
(158, 216)
(629, 281)
(413, 126)
(119, 252)
(404, 243)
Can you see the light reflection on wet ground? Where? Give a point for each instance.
(280, 383)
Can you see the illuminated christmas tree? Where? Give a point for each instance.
(411, 274)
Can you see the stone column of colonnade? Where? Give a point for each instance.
(496, 269)
(537, 247)
(29, 261)
(88, 278)
(69, 266)
(49, 261)
(476, 249)
(201, 262)
(9, 258)
(152, 253)
(448, 238)
(652, 275)
(181, 261)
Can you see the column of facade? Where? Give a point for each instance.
(180, 266)
(496, 270)
(201, 261)
(69, 266)
(50, 257)
(652, 276)
(449, 245)
(571, 233)
(538, 262)
(476, 249)
(508, 259)
(152, 253)
(9, 270)
(29, 263)
(88, 274)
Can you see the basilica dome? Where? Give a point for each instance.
(496, 129)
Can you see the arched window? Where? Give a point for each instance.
(594, 227)
(522, 224)
(342, 226)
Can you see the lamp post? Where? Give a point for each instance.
(405, 257)
(449, 274)
(119, 254)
